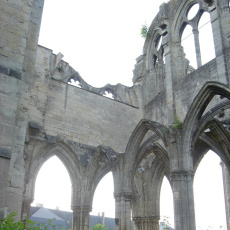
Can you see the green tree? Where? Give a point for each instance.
(99, 227)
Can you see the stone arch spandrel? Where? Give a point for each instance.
(158, 150)
(132, 149)
(215, 147)
(208, 119)
(217, 140)
(66, 156)
(197, 108)
(103, 162)
(139, 132)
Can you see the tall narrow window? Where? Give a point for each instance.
(187, 41)
(206, 38)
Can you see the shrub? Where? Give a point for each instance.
(99, 227)
(10, 223)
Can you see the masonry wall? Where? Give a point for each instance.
(76, 114)
(87, 118)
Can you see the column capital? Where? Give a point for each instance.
(182, 175)
(76, 207)
(123, 195)
(81, 208)
(117, 196)
(137, 220)
(28, 200)
(128, 196)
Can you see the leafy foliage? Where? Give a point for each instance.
(177, 123)
(99, 227)
(10, 223)
(144, 31)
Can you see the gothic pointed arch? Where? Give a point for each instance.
(134, 144)
(104, 161)
(67, 157)
(216, 139)
(197, 108)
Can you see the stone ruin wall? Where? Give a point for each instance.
(39, 109)
(77, 114)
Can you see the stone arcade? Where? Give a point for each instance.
(134, 135)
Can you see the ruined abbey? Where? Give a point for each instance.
(161, 126)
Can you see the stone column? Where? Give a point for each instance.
(85, 217)
(137, 223)
(155, 222)
(169, 73)
(197, 46)
(26, 203)
(117, 198)
(184, 213)
(226, 183)
(76, 219)
(128, 200)
(219, 43)
(123, 211)
(146, 223)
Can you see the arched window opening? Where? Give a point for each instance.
(206, 38)
(192, 12)
(108, 94)
(209, 194)
(103, 200)
(166, 205)
(75, 83)
(187, 41)
(53, 186)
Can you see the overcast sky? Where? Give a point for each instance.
(101, 40)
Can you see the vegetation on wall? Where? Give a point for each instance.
(177, 123)
(144, 31)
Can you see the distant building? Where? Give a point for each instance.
(64, 218)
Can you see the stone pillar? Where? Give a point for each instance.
(146, 223)
(197, 46)
(26, 203)
(226, 183)
(137, 223)
(85, 217)
(169, 73)
(117, 211)
(184, 213)
(80, 217)
(219, 44)
(128, 200)
(123, 211)
(155, 222)
(76, 219)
